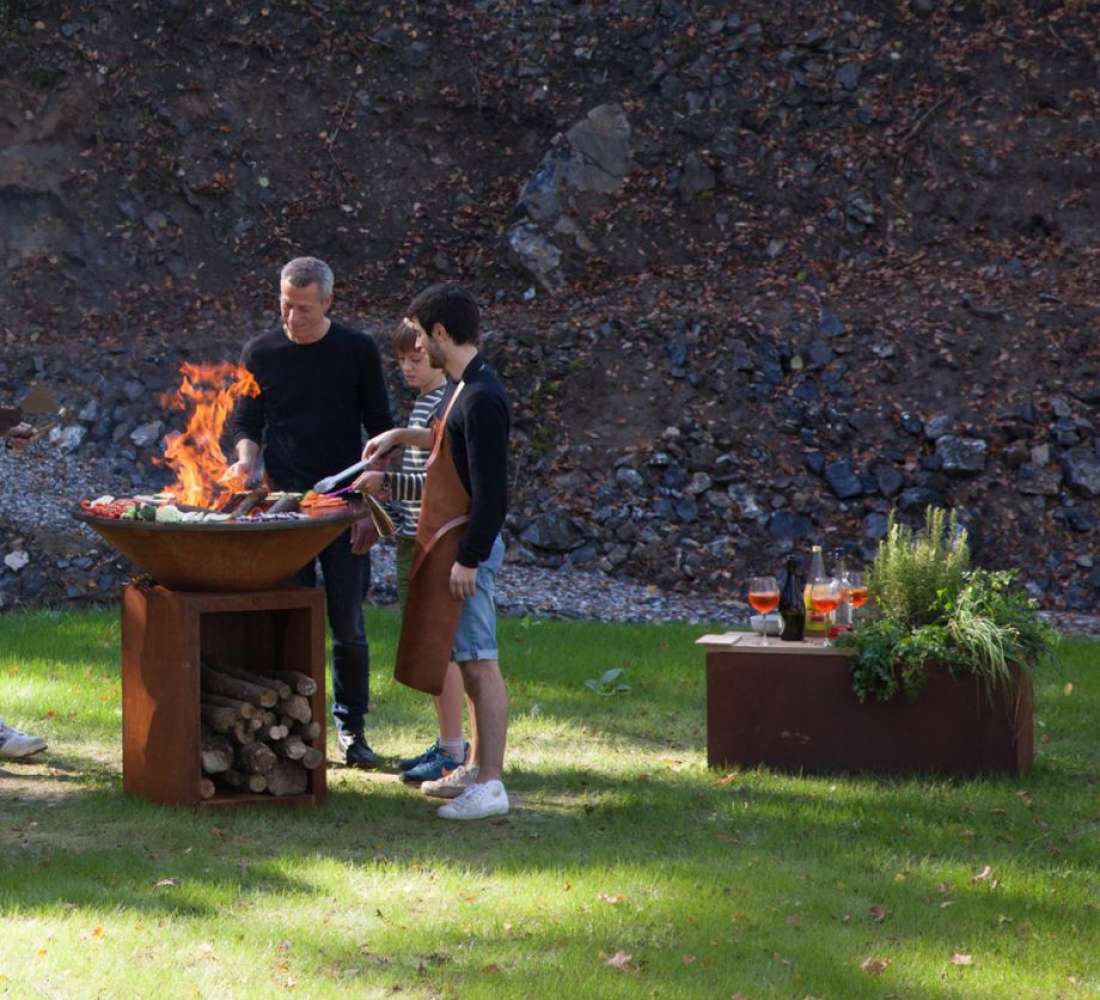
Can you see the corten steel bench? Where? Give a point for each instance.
(790, 706)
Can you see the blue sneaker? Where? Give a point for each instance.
(410, 762)
(433, 767)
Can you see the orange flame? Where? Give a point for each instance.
(207, 393)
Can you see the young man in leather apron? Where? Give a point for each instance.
(450, 612)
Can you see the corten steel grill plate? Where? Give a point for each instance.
(223, 556)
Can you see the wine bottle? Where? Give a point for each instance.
(817, 623)
(792, 606)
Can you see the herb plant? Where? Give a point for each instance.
(930, 607)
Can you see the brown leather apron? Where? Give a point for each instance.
(431, 614)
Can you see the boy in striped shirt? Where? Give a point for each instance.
(405, 488)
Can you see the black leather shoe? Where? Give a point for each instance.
(357, 752)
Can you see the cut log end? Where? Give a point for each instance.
(288, 777)
(297, 707)
(301, 683)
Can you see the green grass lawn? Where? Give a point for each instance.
(621, 843)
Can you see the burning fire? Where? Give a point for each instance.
(208, 394)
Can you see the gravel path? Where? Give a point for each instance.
(41, 488)
(571, 593)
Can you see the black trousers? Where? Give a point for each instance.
(347, 579)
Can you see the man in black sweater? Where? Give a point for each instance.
(320, 384)
(464, 504)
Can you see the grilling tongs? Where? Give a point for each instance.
(330, 483)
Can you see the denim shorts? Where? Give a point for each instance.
(476, 635)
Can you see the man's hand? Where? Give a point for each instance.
(463, 581)
(370, 482)
(363, 536)
(242, 471)
(378, 445)
(238, 473)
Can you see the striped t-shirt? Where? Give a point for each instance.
(409, 485)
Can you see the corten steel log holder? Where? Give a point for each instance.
(165, 636)
(790, 706)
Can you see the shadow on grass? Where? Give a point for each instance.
(758, 836)
(551, 954)
(707, 845)
(712, 849)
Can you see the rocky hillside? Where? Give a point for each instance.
(756, 273)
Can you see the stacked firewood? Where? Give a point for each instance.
(258, 733)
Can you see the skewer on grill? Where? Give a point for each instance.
(286, 505)
(251, 499)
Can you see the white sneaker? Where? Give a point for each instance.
(478, 802)
(15, 745)
(452, 785)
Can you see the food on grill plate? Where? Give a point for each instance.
(250, 506)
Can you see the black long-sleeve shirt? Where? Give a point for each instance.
(315, 399)
(477, 431)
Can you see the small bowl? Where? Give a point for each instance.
(766, 624)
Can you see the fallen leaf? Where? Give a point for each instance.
(166, 883)
(958, 959)
(728, 779)
(1068, 689)
(610, 899)
(793, 920)
(620, 960)
(878, 914)
(874, 966)
(982, 875)
(688, 959)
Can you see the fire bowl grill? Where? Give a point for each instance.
(222, 556)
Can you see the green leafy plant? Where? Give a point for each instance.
(930, 607)
(910, 572)
(606, 683)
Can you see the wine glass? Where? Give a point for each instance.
(825, 597)
(857, 591)
(764, 597)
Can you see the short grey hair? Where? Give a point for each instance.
(305, 271)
